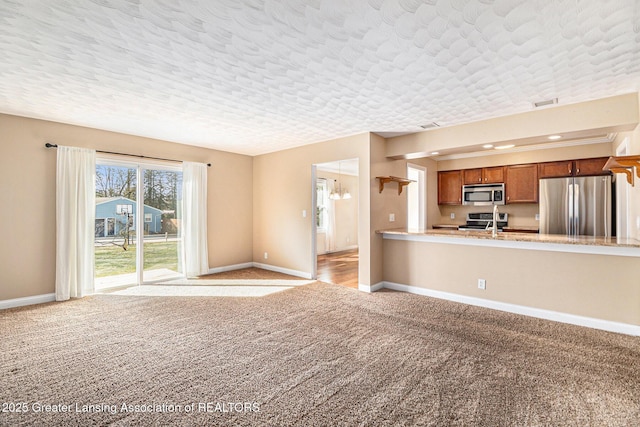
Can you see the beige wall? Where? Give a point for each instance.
(346, 212)
(282, 186)
(282, 190)
(520, 214)
(604, 149)
(28, 186)
(598, 286)
(598, 117)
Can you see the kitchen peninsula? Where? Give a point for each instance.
(588, 281)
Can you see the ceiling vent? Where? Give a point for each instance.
(546, 102)
(430, 125)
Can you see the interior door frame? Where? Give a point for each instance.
(622, 197)
(422, 196)
(314, 207)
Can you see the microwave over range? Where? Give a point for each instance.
(483, 194)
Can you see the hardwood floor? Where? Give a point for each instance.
(340, 268)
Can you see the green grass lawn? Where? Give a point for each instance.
(113, 259)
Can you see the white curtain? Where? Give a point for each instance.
(75, 221)
(195, 255)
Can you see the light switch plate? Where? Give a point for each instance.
(304, 213)
(392, 217)
(537, 217)
(452, 216)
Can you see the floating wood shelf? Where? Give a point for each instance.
(402, 182)
(625, 165)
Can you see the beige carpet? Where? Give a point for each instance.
(314, 355)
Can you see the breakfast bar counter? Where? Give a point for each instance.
(589, 281)
(532, 241)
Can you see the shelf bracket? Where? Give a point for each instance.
(625, 165)
(402, 182)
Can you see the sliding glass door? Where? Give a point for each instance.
(137, 227)
(161, 224)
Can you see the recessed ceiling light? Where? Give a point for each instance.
(504, 147)
(487, 146)
(435, 153)
(554, 137)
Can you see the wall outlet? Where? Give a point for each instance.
(304, 213)
(482, 284)
(452, 215)
(266, 255)
(392, 217)
(537, 217)
(638, 223)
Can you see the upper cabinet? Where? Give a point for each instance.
(521, 183)
(450, 187)
(591, 167)
(582, 167)
(555, 169)
(483, 175)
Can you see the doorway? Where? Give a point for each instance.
(622, 196)
(335, 227)
(417, 198)
(137, 225)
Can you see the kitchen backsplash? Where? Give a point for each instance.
(521, 215)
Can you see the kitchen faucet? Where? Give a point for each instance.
(494, 222)
(494, 230)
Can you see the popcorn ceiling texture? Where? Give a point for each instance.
(257, 76)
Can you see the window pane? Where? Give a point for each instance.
(115, 249)
(162, 199)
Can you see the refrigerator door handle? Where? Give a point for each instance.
(607, 199)
(570, 219)
(576, 210)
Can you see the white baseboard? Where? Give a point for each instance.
(19, 302)
(347, 248)
(370, 288)
(230, 267)
(283, 270)
(590, 322)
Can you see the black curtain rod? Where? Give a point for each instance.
(50, 145)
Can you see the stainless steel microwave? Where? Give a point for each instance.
(483, 194)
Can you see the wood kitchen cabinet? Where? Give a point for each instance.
(521, 183)
(591, 167)
(555, 169)
(581, 167)
(483, 175)
(450, 187)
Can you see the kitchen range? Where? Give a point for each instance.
(484, 221)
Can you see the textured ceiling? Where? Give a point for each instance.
(256, 76)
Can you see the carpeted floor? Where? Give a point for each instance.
(316, 355)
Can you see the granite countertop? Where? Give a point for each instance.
(521, 237)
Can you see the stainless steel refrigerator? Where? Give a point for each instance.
(579, 206)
